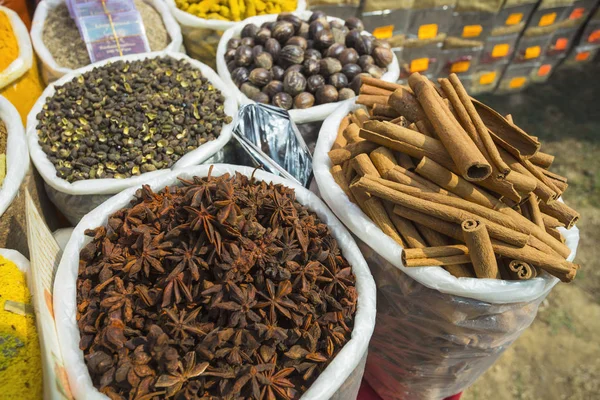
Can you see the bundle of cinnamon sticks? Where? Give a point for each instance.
(452, 181)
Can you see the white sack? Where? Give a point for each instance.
(52, 71)
(340, 380)
(300, 116)
(17, 156)
(435, 334)
(23, 62)
(201, 36)
(76, 199)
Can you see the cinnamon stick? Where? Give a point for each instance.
(340, 179)
(385, 111)
(435, 251)
(360, 117)
(541, 159)
(437, 261)
(338, 156)
(521, 270)
(363, 166)
(368, 80)
(405, 161)
(542, 190)
(340, 140)
(370, 100)
(383, 159)
(560, 182)
(534, 211)
(406, 104)
(351, 133)
(561, 212)
(555, 233)
(414, 127)
(368, 89)
(422, 126)
(551, 222)
(376, 211)
(400, 121)
(482, 255)
(405, 227)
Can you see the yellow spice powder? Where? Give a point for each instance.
(24, 92)
(9, 47)
(20, 360)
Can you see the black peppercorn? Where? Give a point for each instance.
(355, 23)
(272, 47)
(330, 66)
(263, 60)
(278, 72)
(239, 76)
(261, 97)
(249, 30)
(273, 87)
(310, 67)
(304, 100)
(290, 55)
(260, 76)
(338, 80)
(294, 83)
(348, 56)
(282, 100)
(334, 50)
(297, 41)
(326, 94)
(243, 56)
(282, 31)
(345, 94)
(312, 54)
(351, 70)
(315, 82)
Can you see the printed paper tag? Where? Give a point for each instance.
(544, 69)
(547, 19)
(461, 66)
(561, 44)
(487, 78)
(500, 50)
(419, 64)
(517, 82)
(471, 31)
(427, 31)
(514, 19)
(582, 56)
(383, 32)
(532, 52)
(594, 36)
(577, 13)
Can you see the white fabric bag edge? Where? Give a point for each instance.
(312, 114)
(23, 62)
(66, 276)
(17, 156)
(51, 71)
(487, 290)
(112, 186)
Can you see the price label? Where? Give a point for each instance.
(461, 66)
(577, 13)
(500, 50)
(594, 36)
(427, 31)
(547, 19)
(544, 70)
(532, 52)
(517, 82)
(584, 55)
(471, 31)
(419, 65)
(383, 32)
(561, 44)
(487, 78)
(514, 19)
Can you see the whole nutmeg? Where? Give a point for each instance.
(261, 97)
(312, 54)
(336, 24)
(297, 41)
(357, 82)
(324, 39)
(351, 70)
(290, 55)
(234, 43)
(374, 71)
(345, 94)
(260, 76)
(239, 76)
(282, 100)
(304, 100)
(282, 31)
(278, 73)
(334, 50)
(264, 60)
(326, 94)
(314, 28)
(249, 90)
(243, 56)
(310, 67)
(355, 23)
(249, 30)
(382, 56)
(364, 45)
(267, 24)
(303, 31)
(339, 35)
(231, 65)
(348, 56)
(248, 41)
(294, 83)
(352, 38)
(337, 80)
(330, 66)
(323, 20)
(381, 43)
(316, 15)
(263, 35)
(273, 87)
(272, 47)
(365, 60)
(294, 68)
(315, 82)
(229, 55)
(293, 19)
(256, 50)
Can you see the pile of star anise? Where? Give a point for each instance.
(222, 287)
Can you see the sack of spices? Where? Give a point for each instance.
(152, 112)
(307, 79)
(202, 23)
(435, 334)
(58, 43)
(276, 300)
(15, 48)
(14, 157)
(20, 358)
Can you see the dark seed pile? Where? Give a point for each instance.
(220, 288)
(127, 118)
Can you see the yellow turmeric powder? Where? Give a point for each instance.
(9, 47)
(20, 360)
(24, 92)
(235, 10)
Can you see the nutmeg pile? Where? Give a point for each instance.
(292, 63)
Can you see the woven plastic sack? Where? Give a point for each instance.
(23, 62)
(201, 36)
(340, 380)
(76, 199)
(435, 334)
(51, 71)
(17, 156)
(312, 114)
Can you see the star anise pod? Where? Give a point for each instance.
(243, 300)
(201, 219)
(133, 368)
(149, 254)
(188, 258)
(182, 324)
(276, 299)
(120, 299)
(186, 371)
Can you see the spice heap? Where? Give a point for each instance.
(454, 182)
(61, 36)
(127, 118)
(3, 139)
(9, 47)
(221, 288)
(20, 360)
(235, 10)
(292, 63)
